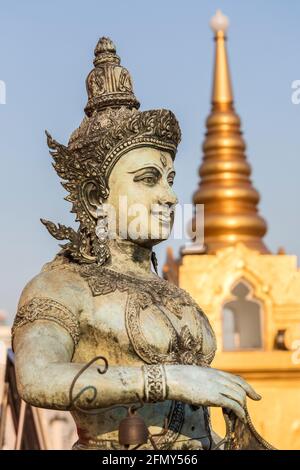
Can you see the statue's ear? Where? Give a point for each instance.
(91, 197)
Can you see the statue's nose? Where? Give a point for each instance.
(168, 196)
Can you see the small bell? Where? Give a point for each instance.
(133, 430)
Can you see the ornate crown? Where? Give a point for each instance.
(112, 126)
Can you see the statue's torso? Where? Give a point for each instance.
(132, 322)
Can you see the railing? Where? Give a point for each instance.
(26, 419)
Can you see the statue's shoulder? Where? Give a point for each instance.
(57, 294)
(59, 280)
(60, 263)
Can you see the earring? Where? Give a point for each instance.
(154, 262)
(101, 226)
(100, 244)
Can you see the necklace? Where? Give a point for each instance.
(157, 291)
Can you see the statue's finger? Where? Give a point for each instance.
(242, 383)
(236, 393)
(248, 388)
(235, 407)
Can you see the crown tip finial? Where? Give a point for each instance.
(105, 51)
(219, 22)
(105, 45)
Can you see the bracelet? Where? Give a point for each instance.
(155, 383)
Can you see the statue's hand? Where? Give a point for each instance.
(210, 387)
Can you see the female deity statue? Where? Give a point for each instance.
(100, 296)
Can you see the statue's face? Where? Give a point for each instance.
(141, 194)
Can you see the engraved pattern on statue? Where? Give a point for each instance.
(183, 349)
(157, 291)
(144, 350)
(39, 308)
(175, 424)
(155, 383)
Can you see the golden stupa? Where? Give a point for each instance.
(251, 296)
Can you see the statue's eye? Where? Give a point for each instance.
(171, 177)
(149, 180)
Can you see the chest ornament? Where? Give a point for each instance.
(153, 291)
(184, 347)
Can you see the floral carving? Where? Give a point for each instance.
(39, 308)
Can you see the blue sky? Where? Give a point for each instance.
(46, 51)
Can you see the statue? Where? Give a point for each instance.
(99, 296)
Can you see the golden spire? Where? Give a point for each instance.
(222, 96)
(230, 201)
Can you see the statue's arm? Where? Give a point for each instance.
(45, 372)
